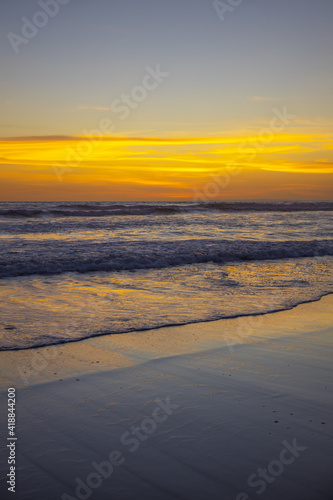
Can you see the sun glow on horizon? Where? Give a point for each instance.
(162, 168)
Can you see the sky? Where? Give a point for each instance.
(166, 100)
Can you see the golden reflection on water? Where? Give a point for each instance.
(70, 305)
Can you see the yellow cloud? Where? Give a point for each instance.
(167, 164)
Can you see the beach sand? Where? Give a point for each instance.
(234, 409)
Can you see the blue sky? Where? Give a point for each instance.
(93, 51)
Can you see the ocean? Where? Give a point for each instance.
(73, 270)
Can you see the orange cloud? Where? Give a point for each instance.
(146, 167)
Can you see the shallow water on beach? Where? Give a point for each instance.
(49, 309)
(123, 267)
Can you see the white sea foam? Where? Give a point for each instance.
(136, 269)
(57, 256)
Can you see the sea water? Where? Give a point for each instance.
(72, 270)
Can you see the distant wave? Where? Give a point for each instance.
(91, 211)
(64, 257)
(104, 209)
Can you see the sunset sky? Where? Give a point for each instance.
(163, 100)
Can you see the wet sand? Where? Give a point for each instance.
(233, 409)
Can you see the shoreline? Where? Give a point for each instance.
(181, 412)
(35, 364)
(188, 412)
(97, 335)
